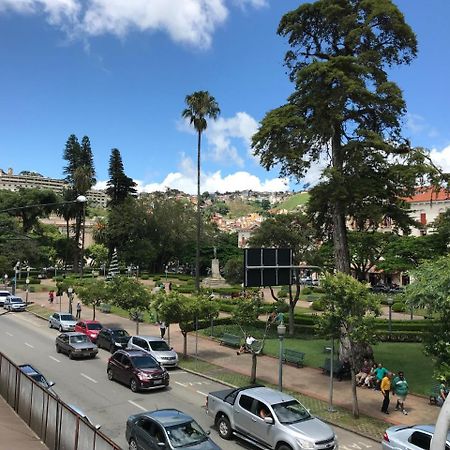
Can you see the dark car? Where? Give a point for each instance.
(37, 376)
(166, 428)
(112, 339)
(75, 345)
(137, 369)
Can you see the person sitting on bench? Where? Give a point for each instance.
(246, 346)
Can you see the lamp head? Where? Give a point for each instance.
(281, 329)
(81, 199)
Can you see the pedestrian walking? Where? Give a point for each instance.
(78, 310)
(162, 328)
(401, 389)
(385, 388)
(380, 373)
(51, 296)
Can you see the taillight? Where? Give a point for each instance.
(385, 437)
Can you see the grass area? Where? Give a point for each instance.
(365, 425)
(239, 208)
(41, 310)
(295, 200)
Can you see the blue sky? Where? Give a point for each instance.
(119, 70)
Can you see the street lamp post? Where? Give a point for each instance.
(16, 269)
(82, 199)
(281, 330)
(390, 302)
(70, 292)
(27, 282)
(5, 278)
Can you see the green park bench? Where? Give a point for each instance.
(294, 357)
(105, 308)
(434, 394)
(230, 339)
(326, 368)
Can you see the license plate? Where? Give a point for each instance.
(157, 382)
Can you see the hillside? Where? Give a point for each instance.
(239, 208)
(295, 200)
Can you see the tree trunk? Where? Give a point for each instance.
(291, 318)
(253, 373)
(341, 252)
(355, 406)
(197, 249)
(184, 333)
(93, 311)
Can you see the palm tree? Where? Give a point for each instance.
(200, 105)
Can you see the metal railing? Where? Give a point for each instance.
(57, 425)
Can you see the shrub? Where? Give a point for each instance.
(155, 279)
(400, 336)
(307, 290)
(283, 292)
(398, 307)
(145, 277)
(317, 305)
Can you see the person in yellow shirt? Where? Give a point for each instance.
(385, 388)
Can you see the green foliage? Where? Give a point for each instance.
(120, 186)
(234, 270)
(93, 293)
(248, 311)
(98, 253)
(128, 293)
(294, 201)
(283, 292)
(398, 307)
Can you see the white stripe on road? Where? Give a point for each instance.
(54, 359)
(177, 372)
(181, 384)
(29, 345)
(202, 393)
(88, 378)
(137, 406)
(9, 334)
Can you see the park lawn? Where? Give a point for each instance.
(395, 356)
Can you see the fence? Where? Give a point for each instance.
(58, 426)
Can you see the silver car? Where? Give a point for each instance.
(75, 345)
(157, 347)
(62, 321)
(13, 303)
(3, 295)
(410, 437)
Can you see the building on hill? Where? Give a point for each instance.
(12, 182)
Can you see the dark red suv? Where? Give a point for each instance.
(137, 369)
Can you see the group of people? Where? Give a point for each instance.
(376, 376)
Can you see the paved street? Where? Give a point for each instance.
(26, 338)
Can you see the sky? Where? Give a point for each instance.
(118, 71)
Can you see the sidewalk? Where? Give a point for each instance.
(307, 381)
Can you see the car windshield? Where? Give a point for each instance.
(145, 362)
(79, 339)
(291, 412)
(16, 300)
(120, 333)
(67, 317)
(159, 346)
(94, 326)
(186, 434)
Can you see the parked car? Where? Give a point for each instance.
(62, 321)
(259, 414)
(3, 295)
(157, 347)
(89, 327)
(37, 376)
(75, 345)
(112, 339)
(410, 437)
(166, 428)
(13, 303)
(137, 369)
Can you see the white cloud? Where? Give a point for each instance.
(417, 124)
(191, 22)
(441, 158)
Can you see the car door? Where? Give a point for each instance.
(102, 339)
(146, 431)
(52, 319)
(126, 369)
(245, 415)
(64, 343)
(56, 320)
(263, 431)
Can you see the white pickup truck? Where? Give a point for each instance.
(268, 419)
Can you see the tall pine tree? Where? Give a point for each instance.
(120, 186)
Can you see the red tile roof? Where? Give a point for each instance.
(429, 194)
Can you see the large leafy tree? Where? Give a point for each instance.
(80, 175)
(350, 310)
(120, 186)
(199, 107)
(345, 112)
(431, 290)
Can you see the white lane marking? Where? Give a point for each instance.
(181, 384)
(137, 406)
(176, 372)
(202, 393)
(9, 334)
(29, 345)
(88, 378)
(54, 359)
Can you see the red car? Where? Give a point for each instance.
(89, 327)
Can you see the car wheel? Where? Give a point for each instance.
(50, 324)
(224, 427)
(70, 355)
(284, 447)
(133, 445)
(112, 349)
(110, 375)
(58, 350)
(60, 329)
(134, 385)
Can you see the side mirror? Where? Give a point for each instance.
(161, 444)
(208, 433)
(268, 420)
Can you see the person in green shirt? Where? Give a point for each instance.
(401, 389)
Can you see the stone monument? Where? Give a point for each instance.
(215, 279)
